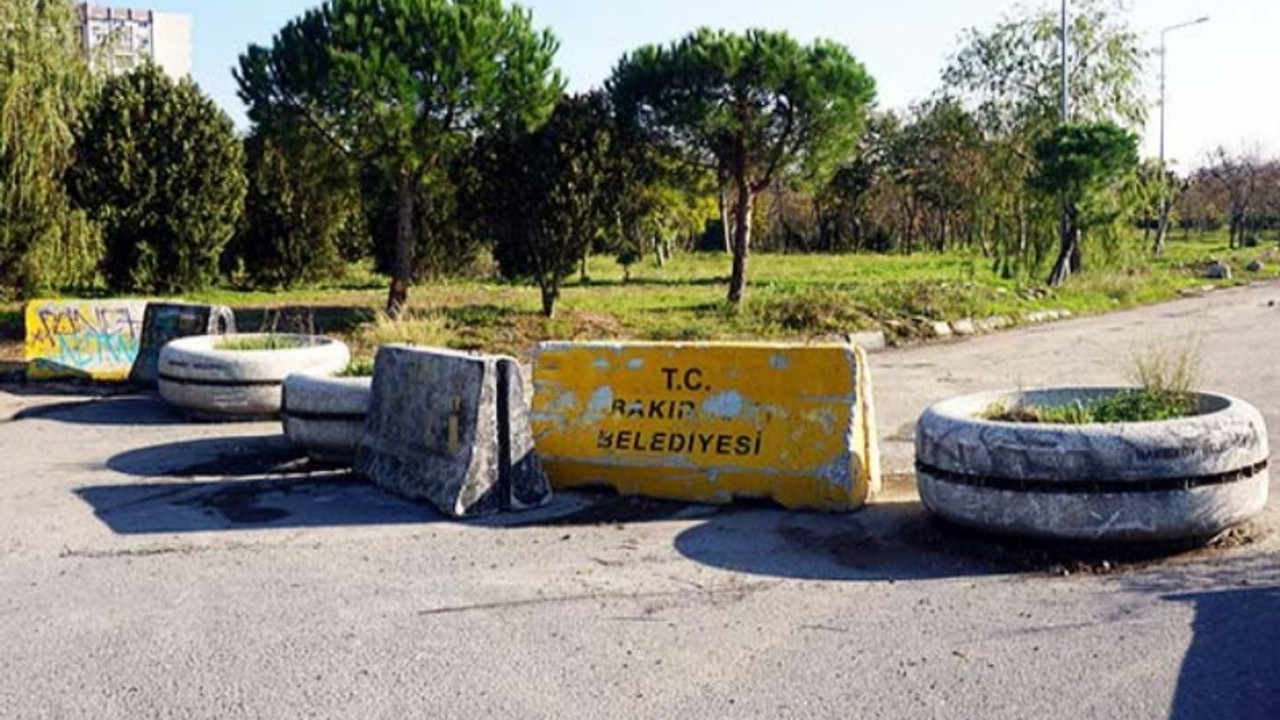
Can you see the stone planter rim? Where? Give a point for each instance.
(209, 343)
(1181, 478)
(968, 407)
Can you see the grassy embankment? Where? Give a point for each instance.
(790, 297)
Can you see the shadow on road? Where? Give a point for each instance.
(219, 457)
(880, 542)
(1232, 669)
(127, 410)
(324, 500)
(253, 482)
(262, 481)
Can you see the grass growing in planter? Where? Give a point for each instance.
(358, 369)
(1166, 380)
(1135, 405)
(258, 342)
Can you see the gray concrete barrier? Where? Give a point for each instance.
(165, 322)
(452, 429)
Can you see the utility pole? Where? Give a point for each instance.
(1063, 33)
(1063, 268)
(1162, 223)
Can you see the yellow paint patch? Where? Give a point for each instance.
(82, 339)
(709, 422)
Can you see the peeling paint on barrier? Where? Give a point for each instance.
(709, 422)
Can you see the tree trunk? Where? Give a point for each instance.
(1162, 229)
(1022, 232)
(741, 240)
(583, 277)
(549, 296)
(402, 256)
(725, 230)
(1068, 251)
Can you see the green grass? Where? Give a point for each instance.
(1129, 405)
(790, 297)
(362, 367)
(1166, 377)
(235, 343)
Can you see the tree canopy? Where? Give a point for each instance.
(1079, 163)
(549, 194)
(404, 86)
(44, 87)
(159, 166)
(1011, 73)
(747, 106)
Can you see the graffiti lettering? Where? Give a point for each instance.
(82, 338)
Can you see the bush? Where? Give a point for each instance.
(44, 84)
(301, 211)
(160, 168)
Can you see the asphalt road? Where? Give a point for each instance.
(152, 568)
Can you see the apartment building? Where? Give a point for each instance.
(118, 39)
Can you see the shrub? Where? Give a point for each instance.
(159, 166)
(44, 83)
(301, 211)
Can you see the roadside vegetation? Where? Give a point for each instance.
(1165, 380)
(795, 297)
(446, 157)
(266, 341)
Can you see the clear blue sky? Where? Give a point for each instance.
(1221, 75)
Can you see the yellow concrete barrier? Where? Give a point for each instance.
(91, 339)
(709, 422)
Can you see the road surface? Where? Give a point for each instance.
(153, 568)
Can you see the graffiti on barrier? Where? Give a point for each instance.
(86, 339)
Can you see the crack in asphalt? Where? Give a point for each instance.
(736, 594)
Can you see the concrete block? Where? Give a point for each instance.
(941, 330)
(709, 422)
(869, 341)
(452, 429)
(163, 322)
(326, 415)
(963, 327)
(82, 339)
(111, 340)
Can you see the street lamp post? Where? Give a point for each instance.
(1163, 221)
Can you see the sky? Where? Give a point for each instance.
(1220, 87)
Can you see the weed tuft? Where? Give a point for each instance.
(251, 343)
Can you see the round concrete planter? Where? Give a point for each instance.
(325, 415)
(1186, 478)
(216, 384)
